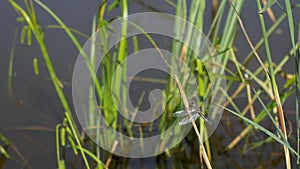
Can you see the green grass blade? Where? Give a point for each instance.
(268, 5)
(29, 38)
(2, 149)
(261, 41)
(71, 29)
(260, 117)
(23, 34)
(97, 160)
(60, 163)
(256, 145)
(11, 61)
(272, 119)
(34, 27)
(290, 21)
(36, 66)
(274, 86)
(135, 43)
(297, 76)
(215, 26)
(264, 130)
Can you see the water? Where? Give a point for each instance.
(30, 114)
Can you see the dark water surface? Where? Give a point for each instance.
(30, 112)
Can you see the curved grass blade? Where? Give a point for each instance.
(267, 132)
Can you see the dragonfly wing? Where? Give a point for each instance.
(182, 113)
(188, 119)
(204, 118)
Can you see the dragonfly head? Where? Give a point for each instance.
(192, 104)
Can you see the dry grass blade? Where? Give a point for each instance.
(249, 41)
(274, 84)
(32, 128)
(270, 12)
(112, 150)
(186, 104)
(275, 90)
(250, 99)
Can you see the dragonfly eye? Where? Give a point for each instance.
(192, 104)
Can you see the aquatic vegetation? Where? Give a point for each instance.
(259, 88)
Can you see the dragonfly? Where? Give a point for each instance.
(195, 114)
